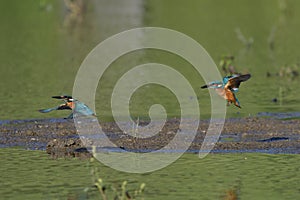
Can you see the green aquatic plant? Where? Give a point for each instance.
(106, 190)
(231, 194)
(124, 194)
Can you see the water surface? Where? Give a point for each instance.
(43, 45)
(252, 175)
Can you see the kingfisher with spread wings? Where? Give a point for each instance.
(228, 87)
(70, 103)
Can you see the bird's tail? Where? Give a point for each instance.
(48, 109)
(214, 85)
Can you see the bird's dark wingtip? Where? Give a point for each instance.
(62, 97)
(204, 86)
(249, 75)
(242, 78)
(57, 97)
(246, 76)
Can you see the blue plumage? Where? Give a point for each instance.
(228, 87)
(82, 109)
(77, 107)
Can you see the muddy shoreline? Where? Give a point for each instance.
(59, 138)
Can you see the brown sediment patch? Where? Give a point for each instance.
(59, 137)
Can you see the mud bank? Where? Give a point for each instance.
(59, 138)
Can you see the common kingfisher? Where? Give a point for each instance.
(76, 106)
(228, 87)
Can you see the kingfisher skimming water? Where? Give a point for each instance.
(76, 106)
(228, 87)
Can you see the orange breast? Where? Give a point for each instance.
(229, 95)
(71, 105)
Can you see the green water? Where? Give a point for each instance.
(33, 175)
(41, 51)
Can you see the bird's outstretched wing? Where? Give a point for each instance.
(64, 107)
(235, 82)
(62, 97)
